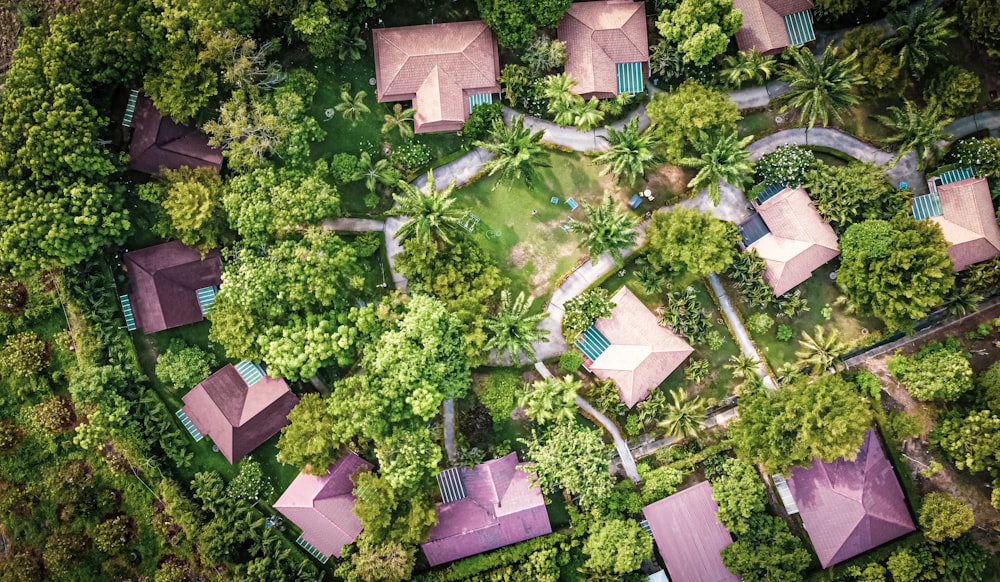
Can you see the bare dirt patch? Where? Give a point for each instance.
(668, 184)
(541, 260)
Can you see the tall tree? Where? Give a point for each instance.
(880, 69)
(937, 372)
(513, 330)
(429, 212)
(682, 115)
(552, 399)
(822, 88)
(858, 191)
(820, 350)
(517, 151)
(572, 458)
(723, 157)
(307, 442)
(915, 130)
(609, 229)
(192, 201)
(921, 36)
(686, 240)
(742, 366)
(750, 66)
(700, 28)
(682, 417)
(352, 107)
(631, 153)
(617, 547)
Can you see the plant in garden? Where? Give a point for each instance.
(250, 484)
(954, 89)
(375, 172)
(651, 280)
(683, 312)
(558, 89)
(544, 54)
(401, 120)
(723, 158)
(921, 36)
(939, 371)
(112, 534)
(962, 300)
(517, 151)
(570, 361)
(742, 366)
(583, 310)
(760, 323)
(981, 154)
(53, 414)
(477, 126)
(631, 153)
(498, 393)
(682, 115)
(789, 372)
(697, 371)
(822, 88)
(352, 107)
(769, 551)
(24, 354)
(617, 546)
(944, 517)
(971, 442)
(513, 330)
(858, 191)
(700, 29)
(428, 211)
(606, 397)
(682, 417)
(740, 493)
(411, 156)
(660, 482)
(916, 130)
(881, 70)
(912, 563)
(821, 350)
(552, 399)
(609, 230)
(787, 165)
(9, 435)
(572, 458)
(587, 114)
(182, 366)
(686, 240)
(749, 66)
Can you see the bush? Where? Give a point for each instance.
(368, 243)
(477, 126)
(903, 426)
(988, 386)
(343, 167)
(52, 415)
(633, 425)
(939, 371)
(659, 483)
(784, 333)
(787, 165)
(112, 534)
(411, 156)
(954, 89)
(544, 55)
(570, 361)
(760, 323)
(13, 295)
(982, 154)
(8, 435)
(250, 484)
(943, 517)
(183, 366)
(584, 310)
(869, 385)
(25, 354)
(499, 392)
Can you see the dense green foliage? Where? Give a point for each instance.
(700, 28)
(684, 114)
(582, 311)
(515, 21)
(786, 165)
(939, 371)
(858, 191)
(617, 546)
(686, 240)
(574, 459)
(191, 199)
(609, 229)
(879, 69)
(945, 517)
(182, 366)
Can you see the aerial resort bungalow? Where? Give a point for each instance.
(444, 69)
(607, 50)
(961, 205)
(484, 508)
(790, 235)
(850, 507)
(159, 142)
(771, 25)
(323, 507)
(689, 536)
(631, 348)
(172, 285)
(239, 408)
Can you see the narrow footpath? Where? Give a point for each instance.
(736, 325)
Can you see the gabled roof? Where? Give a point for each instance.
(798, 243)
(239, 418)
(160, 142)
(764, 26)
(502, 508)
(599, 35)
(323, 506)
(165, 280)
(968, 221)
(689, 536)
(850, 507)
(438, 67)
(642, 353)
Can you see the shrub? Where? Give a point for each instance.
(544, 55)
(981, 331)
(570, 361)
(982, 154)
(368, 243)
(988, 385)
(182, 366)
(939, 371)
(633, 425)
(411, 156)
(760, 323)
(903, 426)
(787, 165)
(869, 385)
(13, 295)
(697, 371)
(53, 414)
(343, 166)
(112, 534)
(944, 517)
(25, 354)
(784, 333)
(250, 484)
(8, 435)
(659, 483)
(584, 310)
(498, 393)
(954, 89)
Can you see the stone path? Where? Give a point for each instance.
(736, 325)
(627, 460)
(758, 97)
(354, 225)
(570, 137)
(987, 120)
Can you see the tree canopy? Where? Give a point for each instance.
(681, 116)
(573, 458)
(939, 371)
(687, 240)
(858, 191)
(700, 28)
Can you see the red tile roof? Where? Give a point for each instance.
(642, 353)
(850, 507)
(239, 418)
(160, 142)
(165, 279)
(800, 240)
(438, 67)
(689, 536)
(599, 35)
(969, 222)
(502, 508)
(764, 23)
(323, 506)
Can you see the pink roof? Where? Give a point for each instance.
(502, 508)
(598, 36)
(764, 23)
(323, 506)
(850, 507)
(642, 353)
(800, 240)
(689, 536)
(160, 142)
(438, 67)
(239, 418)
(969, 222)
(165, 279)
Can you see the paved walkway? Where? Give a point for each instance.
(736, 325)
(627, 460)
(570, 137)
(987, 120)
(354, 225)
(449, 430)
(758, 97)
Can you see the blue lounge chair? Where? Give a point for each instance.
(634, 201)
(554, 200)
(571, 203)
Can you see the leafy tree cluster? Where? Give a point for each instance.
(182, 366)
(551, 399)
(981, 154)
(977, 19)
(24, 354)
(685, 314)
(879, 69)
(684, 114)
(191, 200)
(820, 89)
(574, 459)
(954, 89)
(858, 191)
(617, 547)
(939, 371)
(700, 29)
(688, 241)
(582, 311)
(943, 517)
(515, 22)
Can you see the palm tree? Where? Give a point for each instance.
(513, 329)
(558, 89)
(789, 372)
(588, 114)
(353, 108)
(742, 365)
(962, 301)
(401, 119)
(920, 132)
(609, 229)
(821, 349)
(564, 115)
(723, 158)
(350, 48)
(631, 153)
(683, 418)
(822, 88)
(551, 399)
(374, 173)
(697, 371)
(749, 66)
(650, 280)
(517, 151)
(921, 36)
(429, 213)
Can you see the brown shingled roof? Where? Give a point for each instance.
(800, 240)
(642, 353)
(438, 67)
(160, 142)
(969, 222)
(239, 418)
(165, 279)
(764, 23)
(599, 35)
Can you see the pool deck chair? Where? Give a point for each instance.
(571, 203)
(634, 201)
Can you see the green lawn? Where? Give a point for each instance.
(532, 249)
(820, 291)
